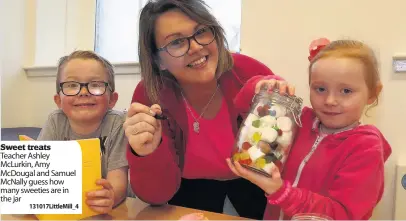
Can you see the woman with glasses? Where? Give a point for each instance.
(183, 121)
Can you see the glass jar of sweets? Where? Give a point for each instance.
(267, 133)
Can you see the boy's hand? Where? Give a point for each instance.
(101, 201)
(143, 131)
(283, 86)
(267, 184)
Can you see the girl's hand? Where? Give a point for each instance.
(283, 86)
(268, 184)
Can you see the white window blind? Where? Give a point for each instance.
(117, 26)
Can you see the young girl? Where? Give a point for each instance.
(336, 165)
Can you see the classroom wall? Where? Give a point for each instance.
(275, 32)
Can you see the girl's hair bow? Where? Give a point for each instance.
(316, 46)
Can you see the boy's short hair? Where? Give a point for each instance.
(85, 55)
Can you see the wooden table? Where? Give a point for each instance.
(135, 209)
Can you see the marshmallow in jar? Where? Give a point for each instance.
(265, 137)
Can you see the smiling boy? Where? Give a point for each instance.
(85, 97)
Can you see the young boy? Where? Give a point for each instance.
(85, 98)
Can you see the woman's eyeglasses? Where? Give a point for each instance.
(179, 47)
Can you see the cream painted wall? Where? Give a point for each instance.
(275, 32)
(279, 32)
(14, 84)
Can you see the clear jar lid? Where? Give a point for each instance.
(291, 102)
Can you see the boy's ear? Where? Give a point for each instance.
(378, 91)
(57, 100)
(113, 100)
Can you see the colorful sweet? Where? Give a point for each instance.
(269, 135)
(250, 118)
(256, 123)
(267, 121)
(255, 153)
(265, 147)
(246, 162)
(269, 158)
(244, 158)
(284, 123)
(236, 156)
(256, 137)
(274, 145)
(285, 139)
(263, 110)
(260, 163)
(246, 146)
(253, 134)
(277, 111)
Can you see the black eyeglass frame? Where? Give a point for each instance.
(106, 84)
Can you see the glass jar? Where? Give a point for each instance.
(266, 135)
(310, 216)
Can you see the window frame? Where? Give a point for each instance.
(79, 33)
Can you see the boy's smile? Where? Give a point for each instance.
(85, 104)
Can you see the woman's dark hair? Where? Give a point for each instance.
(198, 11)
